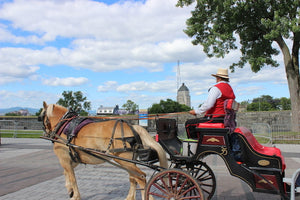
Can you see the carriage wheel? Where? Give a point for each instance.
(173, 184)
(207, 180)
(205, 176)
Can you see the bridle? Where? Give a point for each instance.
(46, 123)
(69, 115)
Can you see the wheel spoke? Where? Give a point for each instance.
(160, 188)
(173, 184)
(205, 177)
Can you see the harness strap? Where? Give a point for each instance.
(102, 155)
(66, 118)
(123, 138)
(135, 141)
(122, 135)
(112, 135)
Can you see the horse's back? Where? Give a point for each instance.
(115, 128)
(99, 135)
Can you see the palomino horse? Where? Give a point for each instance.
(97, 135)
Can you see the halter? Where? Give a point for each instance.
(46, 123)
(69, 115)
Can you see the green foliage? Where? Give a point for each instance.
(39, 112)
(130, 106)
(216, 24)
(268, 103)
(75, 101)
(12, 114)
(168, 106)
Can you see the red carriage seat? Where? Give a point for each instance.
(270, 151)
(230, 107)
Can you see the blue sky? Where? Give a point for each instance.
(112, 51)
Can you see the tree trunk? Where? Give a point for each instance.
(292, 73)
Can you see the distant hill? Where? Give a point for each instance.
(32, 111)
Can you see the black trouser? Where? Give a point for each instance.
(191, 124)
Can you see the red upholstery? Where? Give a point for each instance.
(210, 125)
(270, 151)
(231, 104)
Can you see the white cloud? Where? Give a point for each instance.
(82, 18)
(69, 81)
(108, 86)
(127, 36)
(138, 86)
(104, 37)
(25, 98)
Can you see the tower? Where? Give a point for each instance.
(183, 95)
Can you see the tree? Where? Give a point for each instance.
(258, 24)
(130, 106)
(75, 101)
(13, 114)
(267, 103)
(285, 103)
(168, 106)
(39, 112)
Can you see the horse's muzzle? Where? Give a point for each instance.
(40, 118)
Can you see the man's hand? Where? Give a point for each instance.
(192, 112)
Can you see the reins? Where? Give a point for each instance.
(104, 156)
(150, 116)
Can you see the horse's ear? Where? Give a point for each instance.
(45, 105)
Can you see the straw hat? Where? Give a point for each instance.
(223, 73)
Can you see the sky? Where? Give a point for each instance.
(112, 51)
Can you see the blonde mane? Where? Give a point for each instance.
(50, 109)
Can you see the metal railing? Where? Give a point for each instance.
(16, 127)
(262, 130)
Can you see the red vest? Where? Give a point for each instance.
(227, 93)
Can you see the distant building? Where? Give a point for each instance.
(21, 112)
(107, 110)
(183, 95)
(111, 111)
(24, 112)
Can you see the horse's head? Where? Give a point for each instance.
(50, 116)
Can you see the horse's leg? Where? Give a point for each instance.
(135, 176)
(132, 189)
(70, 180)
(68, 165)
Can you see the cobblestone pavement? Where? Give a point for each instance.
(30, 170)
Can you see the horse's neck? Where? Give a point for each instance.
(57, 117)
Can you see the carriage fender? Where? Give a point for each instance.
(270, 151)
(147, 139)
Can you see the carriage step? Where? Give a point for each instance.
(289, 180)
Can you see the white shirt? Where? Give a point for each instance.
(213, 94)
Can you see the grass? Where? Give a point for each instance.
(278, 137)
(21, 133)
(10, 135)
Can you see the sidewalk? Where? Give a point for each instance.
(30, 170)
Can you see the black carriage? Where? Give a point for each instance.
(188, 176)
(261, 167)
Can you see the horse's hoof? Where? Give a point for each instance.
(71, 194)
(75, 198)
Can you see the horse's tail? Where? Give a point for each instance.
(147, 140)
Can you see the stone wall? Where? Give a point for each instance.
(280, 120)
(20, 123)
(277, 120)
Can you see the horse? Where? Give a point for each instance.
(103, 136)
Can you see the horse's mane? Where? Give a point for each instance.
(51, 108)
